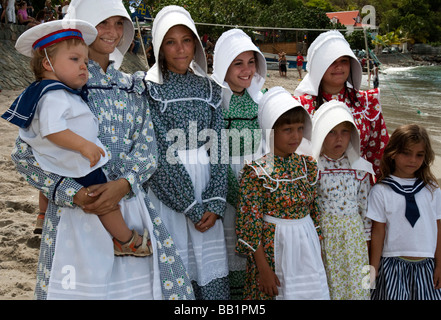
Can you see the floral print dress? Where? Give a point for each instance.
(368, 119)
(342, 198)
(127, 133)
(244, 131)
(187, 116)
(280, 188)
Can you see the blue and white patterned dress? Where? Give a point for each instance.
(188, 119)
(127, 133)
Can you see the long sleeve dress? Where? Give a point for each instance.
(278, 209)
(127, 133)
(342, 198)
(191, 178)
(368, 118)
(245, 138)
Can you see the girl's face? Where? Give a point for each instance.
(110, 32)
(70, 65)
(178, 48)
(336, 75)
(337, 141)
(241, 71)
(409, 161)
(287, 138)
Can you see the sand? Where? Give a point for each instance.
(19, 247)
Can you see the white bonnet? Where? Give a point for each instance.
(167, 18)
(324, 50)
(97, 11)
(275, 102)
(329, 115)
(229, 45)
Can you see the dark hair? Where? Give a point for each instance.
(403, 137)
(294, 115)
(350, 94)
(161, 58)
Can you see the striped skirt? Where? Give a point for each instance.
(400, 279)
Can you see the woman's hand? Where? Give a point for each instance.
(208, 220)
(82, 197)
(107, 195)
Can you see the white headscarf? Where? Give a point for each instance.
(329, 115)
(97, 11)
(167, 18)
(328, 47)
(229, 45)
(275, 102)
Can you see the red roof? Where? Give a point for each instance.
(347, 18)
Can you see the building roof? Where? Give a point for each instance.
(346, 18)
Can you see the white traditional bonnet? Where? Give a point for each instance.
(275, 102)
(167, 18)
(229, 45)
(329, 115)
(324, 50)
(97, 11)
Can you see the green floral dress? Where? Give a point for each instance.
(244, 139)
(279, 187)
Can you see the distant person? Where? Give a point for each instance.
(23, 17)
(282, 64)
(300, 60)
(376, 76)
(10, 11)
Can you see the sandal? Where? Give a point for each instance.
(39, 223)
(130, 249)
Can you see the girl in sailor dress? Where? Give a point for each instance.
(405, 208)
(277, 218)
(189, 187)
(343, 188)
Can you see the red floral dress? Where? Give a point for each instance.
(368, 118)
(280, 187)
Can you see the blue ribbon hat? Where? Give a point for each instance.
(49, 33)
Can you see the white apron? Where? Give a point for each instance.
(298, 263)
(85, 267)
(204, 253)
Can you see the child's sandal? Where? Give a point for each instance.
(130, 249)
(39, 223)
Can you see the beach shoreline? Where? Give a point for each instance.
(19, 247)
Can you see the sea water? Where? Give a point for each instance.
(412, 95)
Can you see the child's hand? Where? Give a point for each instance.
(208, 220)
(268, 281)
(437, 277)
(92, 152)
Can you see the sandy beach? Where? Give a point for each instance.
(19, 247)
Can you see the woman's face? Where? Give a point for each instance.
(337, 74)
(178, 48)
(110, 32)
(241, 71)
